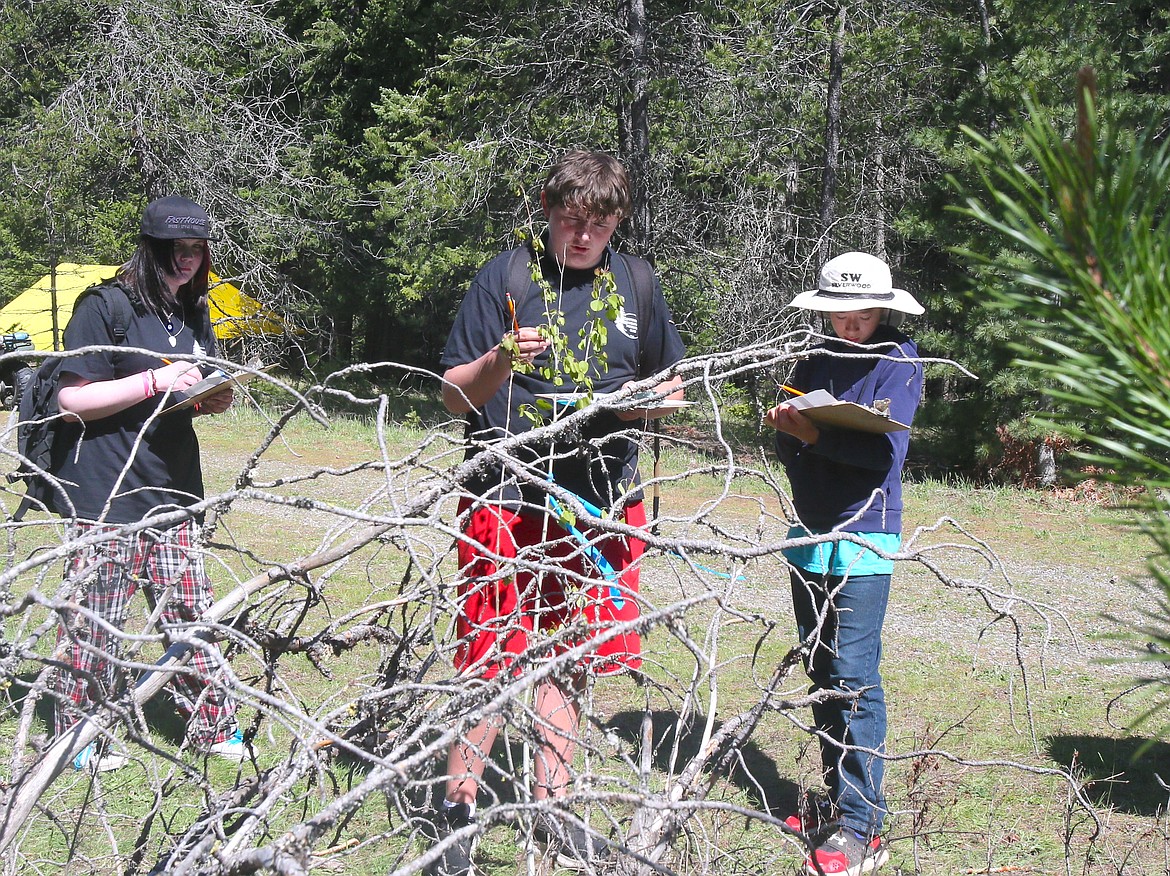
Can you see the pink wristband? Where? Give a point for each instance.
(148, 386)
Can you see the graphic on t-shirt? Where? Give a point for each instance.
(627, 323)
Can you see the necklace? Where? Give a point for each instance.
(169, 325)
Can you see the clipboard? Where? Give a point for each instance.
(823, 409)
(209, 386)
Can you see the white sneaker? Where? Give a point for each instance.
(88, 758)
(232, 748)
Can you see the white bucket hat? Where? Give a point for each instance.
(856, 281)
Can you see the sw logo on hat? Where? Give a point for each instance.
(856, 281)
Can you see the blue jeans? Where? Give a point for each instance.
(845, 650)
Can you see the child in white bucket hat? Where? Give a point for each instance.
(856, 281)
(849, 482)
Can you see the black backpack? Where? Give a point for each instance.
(638, 272)
(40, 421)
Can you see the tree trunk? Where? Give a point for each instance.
(984, 71)
(985, 31)
(832, 135)
(377, 343)
(1045, 465)
(879, 191)
(341, 337)
(634, 123)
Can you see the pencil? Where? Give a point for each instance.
(788, 388)
(512, 311)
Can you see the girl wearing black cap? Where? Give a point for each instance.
(849, 481)
(122, 462)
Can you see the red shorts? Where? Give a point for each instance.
(499, 612)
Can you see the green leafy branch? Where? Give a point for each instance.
(573, 362)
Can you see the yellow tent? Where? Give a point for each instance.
(233, 314)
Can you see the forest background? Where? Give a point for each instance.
(361, 159)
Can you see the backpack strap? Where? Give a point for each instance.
(641, 280)
(519, 274)
(120, 311)
(119, 305)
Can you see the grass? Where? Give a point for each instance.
(984, 795)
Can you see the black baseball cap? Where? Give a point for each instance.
(174, 217)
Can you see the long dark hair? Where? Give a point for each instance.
(144, 275)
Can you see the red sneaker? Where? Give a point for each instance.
(814, 816)
(844, 853)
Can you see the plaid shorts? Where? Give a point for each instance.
(104, 577)
(500, 608)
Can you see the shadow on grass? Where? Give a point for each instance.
(752, 771)
(161, 714)
(22, 685)
(1120, 773)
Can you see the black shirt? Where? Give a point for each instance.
(89, 458)
(601, 464)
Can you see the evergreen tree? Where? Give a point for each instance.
(1080, 238)
(120, 103)
(1022, 51)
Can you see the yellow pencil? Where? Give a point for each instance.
(788, 388)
